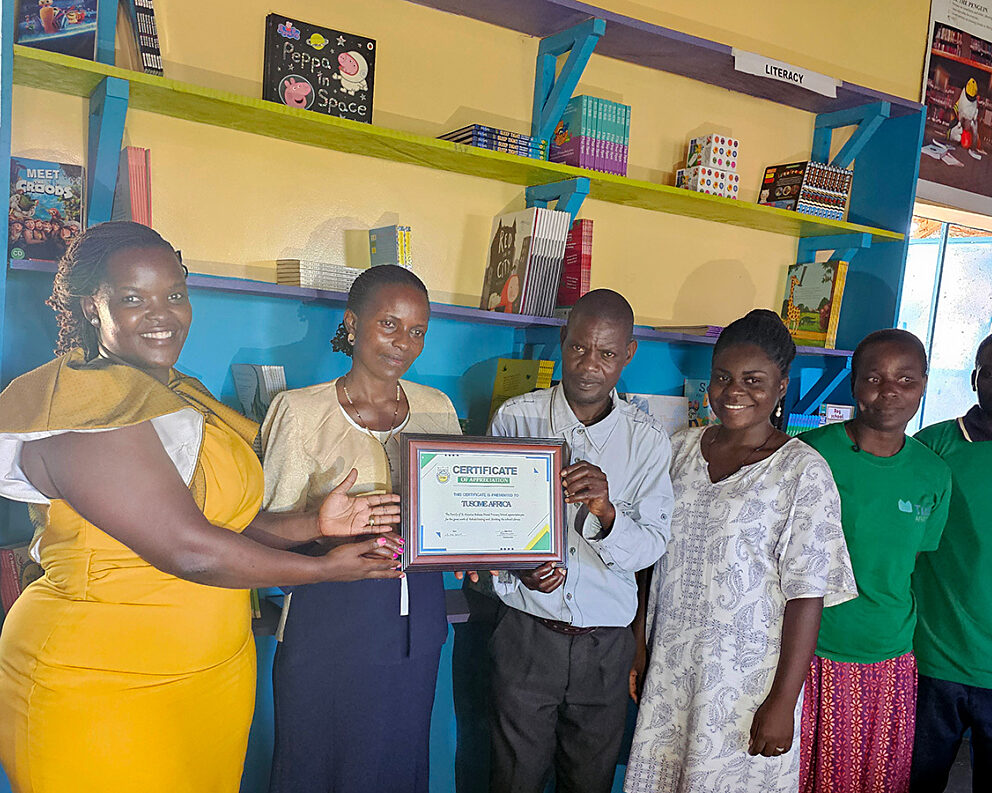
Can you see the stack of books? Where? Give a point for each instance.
(711, 166)
(484, 137)
(811, 188)
(390, 245)
(707, 331)
(142, 16)
(593, 133)
(316, 275)
(133, 195)
(577, 265)
(525, 258)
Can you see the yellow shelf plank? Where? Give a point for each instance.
(64, 74)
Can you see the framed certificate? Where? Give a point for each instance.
(480, 503)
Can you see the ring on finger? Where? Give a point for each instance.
(372, 520)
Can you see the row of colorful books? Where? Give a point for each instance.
(593, 133)
(495, 139)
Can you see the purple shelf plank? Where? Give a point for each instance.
(464, 313)
(656, 47)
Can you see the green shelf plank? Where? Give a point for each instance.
(64, 74)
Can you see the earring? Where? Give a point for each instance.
(778, 411)
(94, 321)
(351, 338)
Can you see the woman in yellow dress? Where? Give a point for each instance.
(130, 665)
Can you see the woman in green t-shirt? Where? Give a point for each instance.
(860, 702)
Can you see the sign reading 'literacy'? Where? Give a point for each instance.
(752, 63)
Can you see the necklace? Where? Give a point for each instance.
(746, 457)
(392, 425)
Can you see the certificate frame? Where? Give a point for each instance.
(417, 557)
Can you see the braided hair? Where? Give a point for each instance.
(81, 273)
(362, 290)
(885, 336)
(764, 329)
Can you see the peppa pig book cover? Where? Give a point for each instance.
(315, 68)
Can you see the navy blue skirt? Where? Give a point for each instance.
(353, 684)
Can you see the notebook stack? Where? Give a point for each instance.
(525, 259)
(390, 245)
(133, 195)
(484, 137)
(593, 133)
(316, 275)
(577, 265)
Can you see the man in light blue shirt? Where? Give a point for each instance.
(562, 646)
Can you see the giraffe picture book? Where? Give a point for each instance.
(315, 68)
(811, 307)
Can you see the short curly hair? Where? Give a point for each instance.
(81, 273)
(364, 288)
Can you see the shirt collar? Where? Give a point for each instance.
(563, 419)
(973, 425)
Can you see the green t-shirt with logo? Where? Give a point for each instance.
(953, 584)
(892, 508)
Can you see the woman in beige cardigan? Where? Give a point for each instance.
(354, 674)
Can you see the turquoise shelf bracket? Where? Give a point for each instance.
(809, 403)
(106, 30)
(552, 93)
(844, 246)
(868, 119)
(567, 195)
(108, 110)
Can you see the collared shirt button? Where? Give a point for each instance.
(581, 430)
(568, 596)
(571, 551)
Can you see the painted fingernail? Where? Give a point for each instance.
(381, 541)
(402, 575)
(396, 556)
(401, 541)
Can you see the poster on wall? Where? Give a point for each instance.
(956, 157)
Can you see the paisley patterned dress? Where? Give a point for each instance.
(740, 549)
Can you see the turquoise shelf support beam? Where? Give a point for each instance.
(551, 94)
(106, 30)
(844, 246)
(868, 119)
(809, 403)
(108, 110)
(567, 195)
(6, 103)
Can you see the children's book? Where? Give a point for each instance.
(321, 69)
(577, 266)
(672, 412)
(813, 295)
(46, 208)
(515, 376)
(66, 26)
(698, 403)
(526, 251)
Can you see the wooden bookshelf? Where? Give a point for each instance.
(56, 72)
(248, 286)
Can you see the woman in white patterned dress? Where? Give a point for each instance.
(733, 607)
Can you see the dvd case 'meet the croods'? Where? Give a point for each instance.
(315, 68)
(46, 208)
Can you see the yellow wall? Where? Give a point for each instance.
(233, 201)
